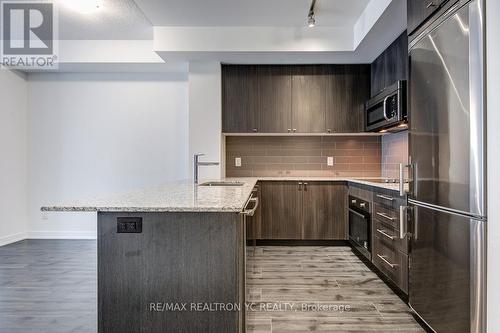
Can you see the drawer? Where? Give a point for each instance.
(391, 263)
(389, 199)
(390, 236)
(386, 215)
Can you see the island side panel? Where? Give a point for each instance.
(178, 258)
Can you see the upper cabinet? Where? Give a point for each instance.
(294, 99)
(275, 99)
(347, 90)
(308, 99)
(419, 11)
(240, 95)
(391, 65)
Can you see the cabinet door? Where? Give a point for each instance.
(275, 94)
(308, 99)
(324, 211)
(347, 89)
(378, 74)
(281, 210)
(419, 10)
(391, 65)
(240, 101)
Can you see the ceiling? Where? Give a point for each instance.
(115, 19)
(148, 33)
(266, 13)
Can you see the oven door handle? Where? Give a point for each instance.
(356, 213)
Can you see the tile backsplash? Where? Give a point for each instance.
(304, 156)
(394, 152)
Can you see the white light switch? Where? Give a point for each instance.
(329, 161)
(237, 161)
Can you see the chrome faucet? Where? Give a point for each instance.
(197, 163)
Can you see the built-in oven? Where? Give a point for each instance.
(360, 225)
(387, 110)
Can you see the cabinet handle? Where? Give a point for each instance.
(328, 130)
(430, 4)
(386, 261)
(384, 215)
(382, 232)
(289, 130)
(385, 197)
(255, 129)
(300, 184)
(251, 212)
(305, 184)
(294, 130)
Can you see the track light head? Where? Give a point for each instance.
(311, 22)
(311, 19)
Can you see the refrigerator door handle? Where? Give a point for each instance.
(402, 182)
(403, 221)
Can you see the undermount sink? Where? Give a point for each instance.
(222, 183)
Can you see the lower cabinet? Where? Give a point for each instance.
(303, 210)
(281, 210)
(391, 262)
(324, 213)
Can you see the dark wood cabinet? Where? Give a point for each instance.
(308, 99)
(300, 99)
(324, 210)
(303, 210)
(418, 11)
(240, 99)
(281, 210)
(275, 98)
(391, 65)
(347, 90)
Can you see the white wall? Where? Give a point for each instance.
(13, 156)
(205, 116)
(493, 119)
(97, 134)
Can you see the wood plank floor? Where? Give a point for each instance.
(319, 289)
(50, 286)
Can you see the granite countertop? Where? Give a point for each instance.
(180, 196)
(184, 196)
(361, 181)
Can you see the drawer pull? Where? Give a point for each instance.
(386, 261)
(385, 197)
(384, 215)
(430, 4)
(382, 232)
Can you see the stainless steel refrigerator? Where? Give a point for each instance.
(447, 195)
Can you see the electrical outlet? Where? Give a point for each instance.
(329, 161)
(237, 161)
(129, 225)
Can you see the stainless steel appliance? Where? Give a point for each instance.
(447, 169)
(360, 225)
(387, 110)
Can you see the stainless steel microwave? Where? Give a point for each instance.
(387, 110)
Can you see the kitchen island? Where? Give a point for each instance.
(171, 258)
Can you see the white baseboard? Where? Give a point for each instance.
(47, 235)
(62, 235)
(12, 238)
